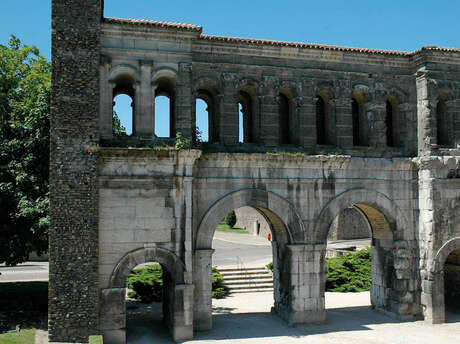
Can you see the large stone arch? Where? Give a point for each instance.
(377, 200)
(391, 248)
(433, 295)
(267, 202)
(177, 295)
(286, 226)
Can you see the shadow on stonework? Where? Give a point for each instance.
(144, 323)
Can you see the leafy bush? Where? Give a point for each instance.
(269, 266)
(219, 290)
(146, 284)
(230, 219)
(350, 272)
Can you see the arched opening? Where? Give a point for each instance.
(361, 226)
(442, 287)
(176, 296)
(360, 122)
(285, 119)
(122, 118)
(355, 110)
(443, 123)
(243, 246)
(321, 136)
(147, 300)
(246, 116)
(257, 205)
(123, 106)
(389, 124)
(389, 262)
(202, 124)
(165, 125)
(452, 286)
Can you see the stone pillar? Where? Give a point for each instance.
(229, 111)
(426, 114)
(73, 306)
(183, 101)
(106, 101)
(113, 315)
(308, 279)
(269, 112)
(430, 296)
(182, 327)
(344, 120)
(376, 116)
(202, 280)
(144, 110)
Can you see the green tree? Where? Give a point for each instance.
(230, 219)
(24, 151)
(117, 128)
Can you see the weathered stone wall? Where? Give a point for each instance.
(252, 220)
(350, 224)
(74, 248)
(112, 208)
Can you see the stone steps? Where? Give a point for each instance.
(247, 280)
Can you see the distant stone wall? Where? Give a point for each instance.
(350, 224)
(252, 220)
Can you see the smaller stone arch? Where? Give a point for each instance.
(123, 69)
(177, 295)
(129, 261)
(207, 89)
(433, 288)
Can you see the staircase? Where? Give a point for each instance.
(247, 280)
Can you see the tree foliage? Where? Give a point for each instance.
(24, 151)
(117, 128)
(230, 219)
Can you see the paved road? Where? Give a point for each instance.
(231, 249)
(30, 271)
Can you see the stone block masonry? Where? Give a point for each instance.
(347, 130)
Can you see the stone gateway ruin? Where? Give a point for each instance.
(325, 128)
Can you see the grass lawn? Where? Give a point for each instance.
(223, 227)
(23, 337)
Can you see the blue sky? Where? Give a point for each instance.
(391, 24)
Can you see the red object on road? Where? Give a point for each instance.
(269, 236)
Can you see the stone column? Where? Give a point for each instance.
(269, 112)
(344, 120)
(426, 114)
(376, 116)
(229, 110)
(106, 101)
(144, 110)
(432, 293)
(308, 278)
(182, 327)
(202, 280)
(113, 315)
(306, 112)
(183, 101)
